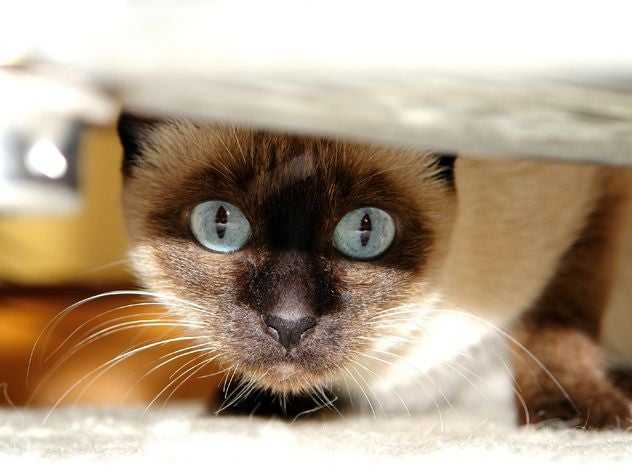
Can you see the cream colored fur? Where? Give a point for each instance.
(617, 324)
(514, 220)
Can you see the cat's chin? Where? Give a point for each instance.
(288, 378)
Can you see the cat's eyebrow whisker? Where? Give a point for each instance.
(238, 142)
(227, 172)
(101, 369)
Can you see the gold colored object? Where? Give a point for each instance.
(86, 248)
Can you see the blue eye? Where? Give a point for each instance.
(220, 226)
(364, 233)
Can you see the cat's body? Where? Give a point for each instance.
(541, 250)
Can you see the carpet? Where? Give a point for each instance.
(471, 434)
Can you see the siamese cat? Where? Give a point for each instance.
(316, 263)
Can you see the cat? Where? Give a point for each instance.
(318, 263)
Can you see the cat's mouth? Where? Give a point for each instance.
(291, 373)
(286, 354)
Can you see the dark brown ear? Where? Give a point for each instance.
(445, 162)
(132, 131)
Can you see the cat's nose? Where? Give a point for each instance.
(288, 330)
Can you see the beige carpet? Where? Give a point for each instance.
(466, 437)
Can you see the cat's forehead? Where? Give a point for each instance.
(248, 158)
(185, 154)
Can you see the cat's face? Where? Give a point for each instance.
(247, 227)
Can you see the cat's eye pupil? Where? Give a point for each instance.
(365, 230)
(221, 218)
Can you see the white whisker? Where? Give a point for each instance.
(101, 369)
(52, 324)
(102, 314)
(368, 400)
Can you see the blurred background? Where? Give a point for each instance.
(53, 258)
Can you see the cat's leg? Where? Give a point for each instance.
(562, 329)
(575, 386)
(622, 379)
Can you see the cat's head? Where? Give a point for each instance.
(291, 251)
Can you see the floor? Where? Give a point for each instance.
(74, 439)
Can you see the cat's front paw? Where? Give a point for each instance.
(605, 408)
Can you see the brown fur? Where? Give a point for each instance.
(563, 330)
(622, 379)
(283, 179)
(499, 240)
